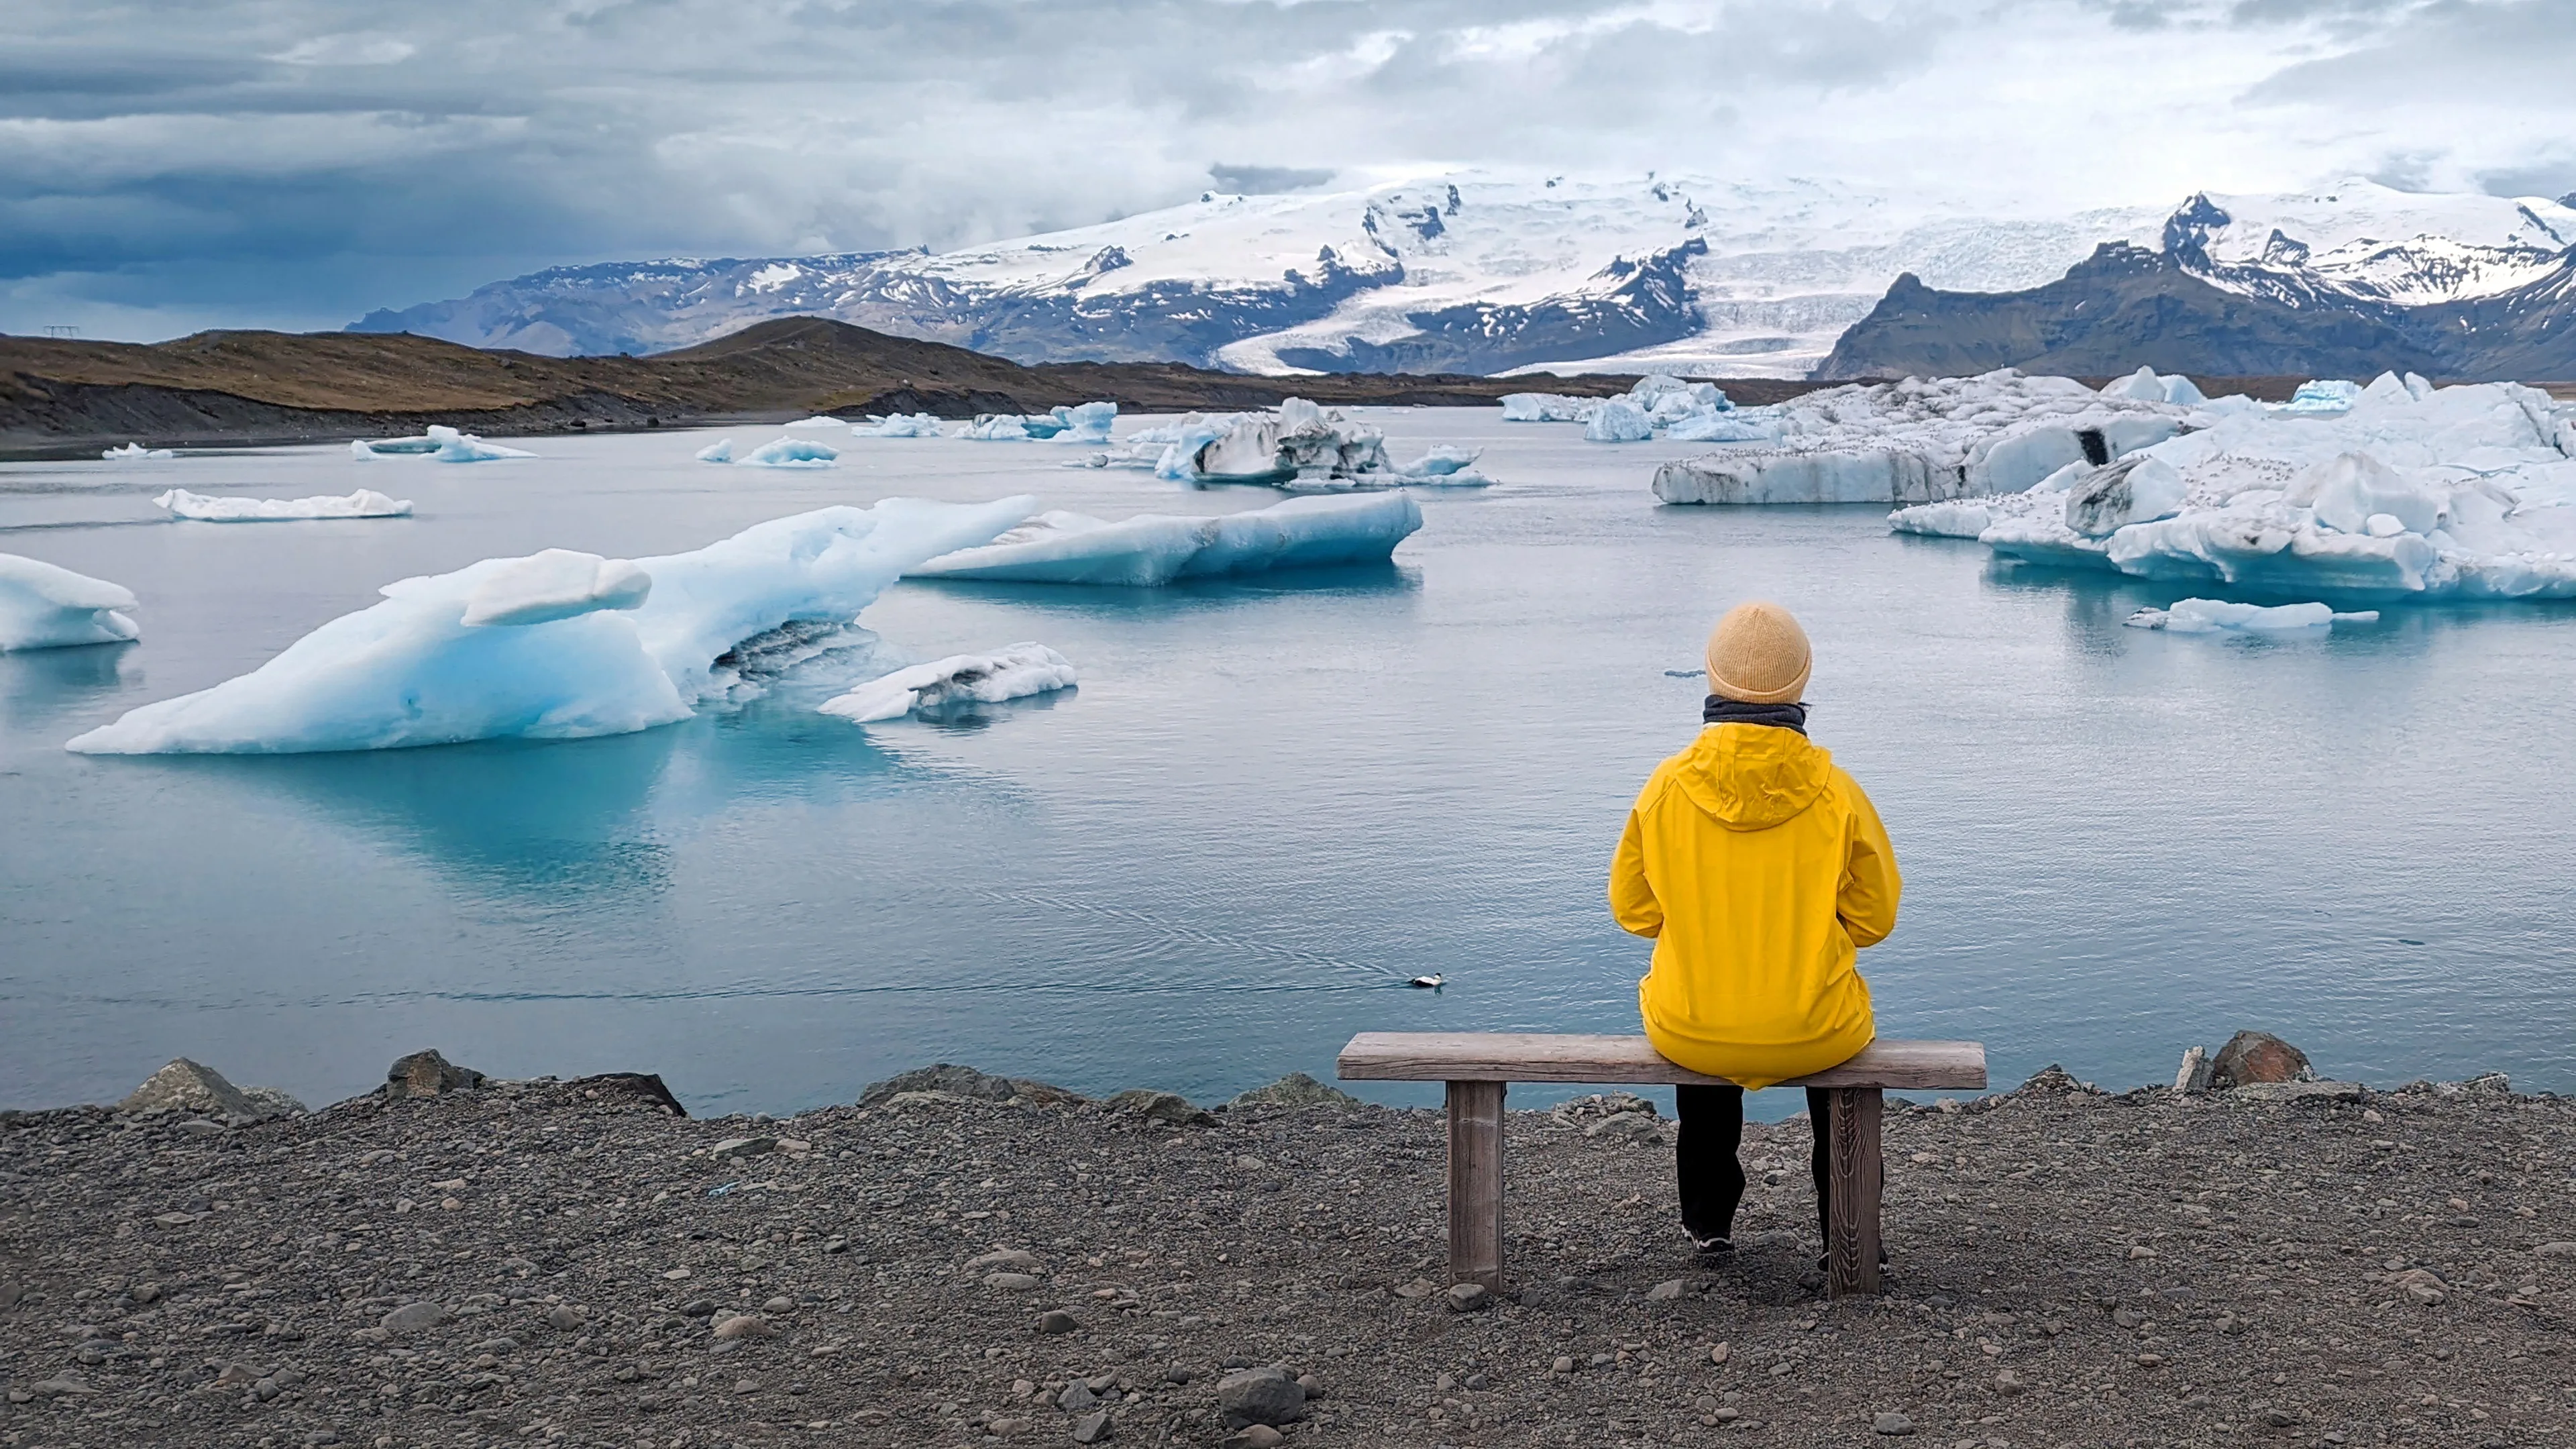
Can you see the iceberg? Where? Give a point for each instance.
(1619, 421)
(1299, 447)
(556, 645)
(439, 443)
(365, 503)
(136, 451)
(2412, 492)
(819, 420)
(2323, 399)
(1154, 549)
(2215, 616)
(719, 451)
(1005, 428)
(898, 425)
(1086, 422)
(1014, 671)
(789, 453)
(45, 606)
(1442, 461)
(1547, 407)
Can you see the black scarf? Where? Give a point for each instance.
(1721, 710)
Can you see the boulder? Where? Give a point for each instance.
(2257, 1056)
(957, 1081)
(1260, 1396)
(1170, 1108)
(186, 1086)
(643, 1089)
(427, 1074)
(1296, 1090)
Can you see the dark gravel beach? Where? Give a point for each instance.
(571, 1263)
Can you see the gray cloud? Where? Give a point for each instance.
(300, 161)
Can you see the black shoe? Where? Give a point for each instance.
(1714, 1246)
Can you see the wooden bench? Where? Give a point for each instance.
(1479, 1065)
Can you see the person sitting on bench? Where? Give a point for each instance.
(1758, 867)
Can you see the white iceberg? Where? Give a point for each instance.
(1547, 407)
(819, 420)
(1153, 549)
(1014, 671)
(719, 451)
(2329, 398)
(1619, 420)
(898, 425)
(2411, 492)
(1299, 446)
(1086, 422)
(1442, 461)
(439, 443)
(365, 503)
(132, 452)
(44, 606)
(789, 453)
(1005, 428)
(2216, 616)
(556, 645)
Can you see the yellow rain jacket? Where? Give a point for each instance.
(1758, 868)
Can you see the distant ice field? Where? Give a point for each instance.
(1267, 803)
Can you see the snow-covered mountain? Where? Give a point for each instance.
(1480, 271)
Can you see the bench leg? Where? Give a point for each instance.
(1859, 1175)
(1476, 1183)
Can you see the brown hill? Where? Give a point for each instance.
(242, 387)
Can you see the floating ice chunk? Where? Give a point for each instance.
(555, 583)
(789, 453)
(365, 503)
(44, 606)
(1949, 519)
(2137, 489)
(1441, 461)
(1547, 407)
(426, 443)
(2215, 616)
(2326, 398)
(898, 425)
(1619, 421)
(558, 645)
(998, 428)
(456, 447)
(819, 420)
(1086, 422)
(1014, 671)
(133, 452)
(719, 451)
(360, 452)
(1153, 549)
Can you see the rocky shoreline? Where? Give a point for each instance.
(962, 1259)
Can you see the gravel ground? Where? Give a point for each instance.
(570, 1263)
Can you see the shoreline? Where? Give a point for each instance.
(964, 1259)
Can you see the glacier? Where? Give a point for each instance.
(365, 503)
(1152, 549)
(2409, 492)
(555, 645)
(1014, 671)
(898, 425)
(46, 606)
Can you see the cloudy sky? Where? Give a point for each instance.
(294, 163)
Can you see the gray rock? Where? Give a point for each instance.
(1056, 1320)
(741, 1147)
(10, 1293)
(186, 1086)
(967, 1082)
(2295, 1091)
(1466, 1297)
(1253, 1436)
(745, 1325)
(1635, 1129)
(200, 1127)
(413, 1317)
(566, 1317)
(1076, 1398)
(268, 1102)
(2257, 1056)
(2545, 1250)
(1016, 1260)
(1093, 1428)
(1665, 1292)
(1891, 1423)
(1259, 1396)
(1166, 1107)
(1013, 1282)
(1296, 1090)
(1599, 1106)
(427, 1074)
(60, 1386)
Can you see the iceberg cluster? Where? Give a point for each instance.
(789, 453)
(1087, 423)
(1299, 447)
(2410, 491)
(2217, 616)
(897, 425)
(1153, 548)
(556, 645)
(132, 452)
(440, 444)
(44, 606)
(1926, 440)
(365, 503)
(1014, 671)
(1657, 404)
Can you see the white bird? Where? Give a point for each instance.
(1431, 982)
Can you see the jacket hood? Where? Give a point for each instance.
(1752, 777)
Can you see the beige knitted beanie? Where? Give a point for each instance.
(1758, 655)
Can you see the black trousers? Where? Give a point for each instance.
(1712, 1180)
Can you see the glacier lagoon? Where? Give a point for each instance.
(1269, 802)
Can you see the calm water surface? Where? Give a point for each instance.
(1268, 804)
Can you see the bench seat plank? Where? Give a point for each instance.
(1434, 1056)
